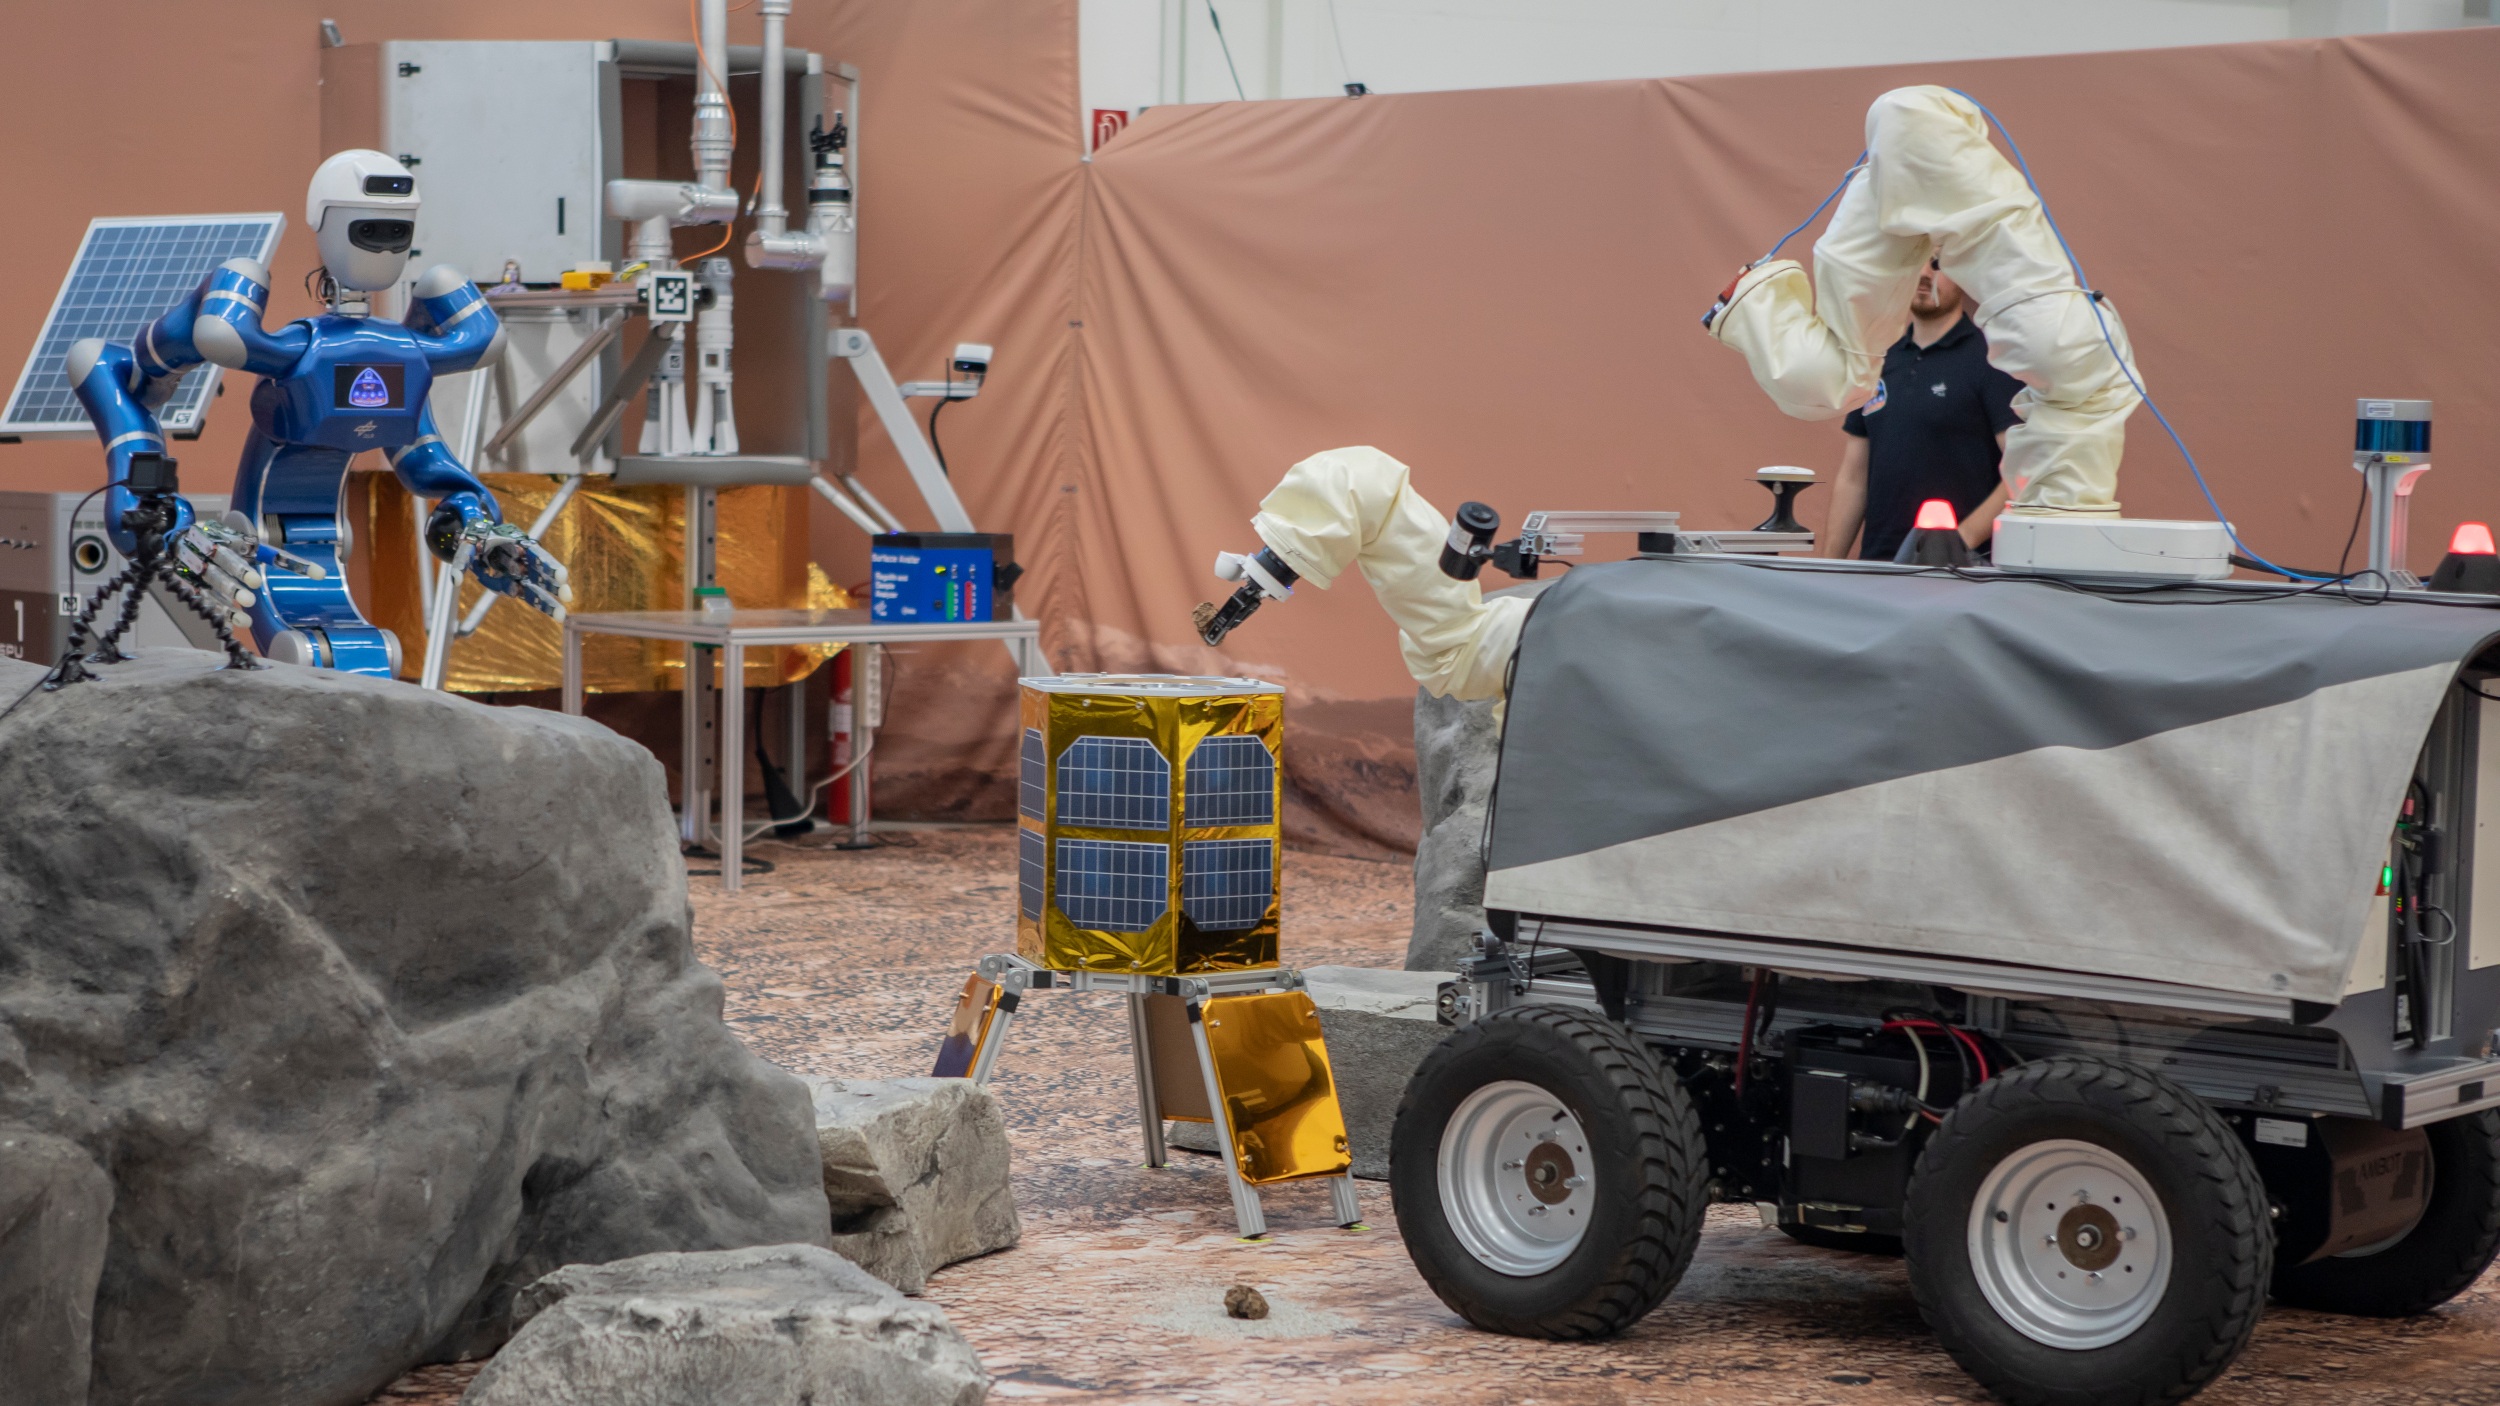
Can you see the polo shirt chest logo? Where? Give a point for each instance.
(1938, 388)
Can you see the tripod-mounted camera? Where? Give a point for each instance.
(152, 480)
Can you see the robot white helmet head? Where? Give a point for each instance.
(363, 209)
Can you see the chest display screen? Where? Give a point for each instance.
(368, 386)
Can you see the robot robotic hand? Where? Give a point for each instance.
(218, 559)
(503, 558)
(1264, 577)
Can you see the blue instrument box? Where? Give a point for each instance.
(935, 577)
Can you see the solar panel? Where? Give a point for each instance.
(1227, 883)
(1121, 783)
(1111, 886)
(1031, 853)
(1030, 773)
(127, 273)
(1230, 781)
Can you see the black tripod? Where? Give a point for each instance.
(152, 480)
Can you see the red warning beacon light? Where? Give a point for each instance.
(1935, 538)
(2472, 564)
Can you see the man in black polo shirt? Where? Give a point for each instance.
(1935, 429)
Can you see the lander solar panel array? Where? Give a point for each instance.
(1124, 783)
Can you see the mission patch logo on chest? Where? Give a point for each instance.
(368, 386)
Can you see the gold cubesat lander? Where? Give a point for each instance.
(1147, 858)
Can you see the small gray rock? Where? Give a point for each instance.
(771, 1326)
(916, 1174)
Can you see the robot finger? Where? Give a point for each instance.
(546, 570)
(209, 554)
(300, 565)
(236, 566)
(539, 597)
(223, 585)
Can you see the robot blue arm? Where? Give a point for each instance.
(122, 387)
(458, 331)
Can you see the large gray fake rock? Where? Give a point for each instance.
(1379, 1025)
(916, 1173)
(1457, 746)
(784, 1325)
(332, 1013)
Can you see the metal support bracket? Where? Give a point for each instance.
(854, 345)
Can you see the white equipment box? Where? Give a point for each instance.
(2115, 546)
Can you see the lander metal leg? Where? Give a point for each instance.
(438, 629)
(733, 772)
(699, 737)
(1149, 1105)
(1247, 1216)
(572, 669)
(697, 750)
(995, 1039)
(1341, 1201)
(794, 737)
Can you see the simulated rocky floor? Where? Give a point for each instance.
(847, 963)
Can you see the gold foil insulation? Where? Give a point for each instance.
(1271, 1065)
(1095, 895)
(625, 548)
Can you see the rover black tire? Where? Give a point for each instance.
(1863, 1242)
(2086, 1233)
(2447, 1250)
(1549, 1176)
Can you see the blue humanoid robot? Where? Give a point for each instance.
(330, 386)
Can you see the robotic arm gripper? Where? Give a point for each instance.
(1354, 508)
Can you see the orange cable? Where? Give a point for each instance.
(729, 231)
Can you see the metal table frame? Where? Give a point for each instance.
(733, 633)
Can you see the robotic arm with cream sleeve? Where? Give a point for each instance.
(1354, 508)
(1931, 185)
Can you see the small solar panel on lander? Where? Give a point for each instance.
(128, 272)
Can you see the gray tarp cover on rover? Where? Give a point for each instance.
(2186, 787)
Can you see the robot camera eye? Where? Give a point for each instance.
(382, 236)
(390, 185)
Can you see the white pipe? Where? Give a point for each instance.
(711, 98)
(848, 509)
(770, 217)
(772, 244)
(883, 514)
